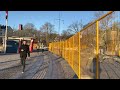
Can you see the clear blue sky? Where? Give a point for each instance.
(38, 18)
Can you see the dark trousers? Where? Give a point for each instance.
(42, 50)
(23, 59)
(38, 51)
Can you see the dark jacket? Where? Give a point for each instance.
(24, 50)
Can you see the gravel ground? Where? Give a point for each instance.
(64, 71)
(9, 57)
(10, 60)
(38, 67)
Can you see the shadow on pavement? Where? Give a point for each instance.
(1, 54)
(75, 77)
(94, 67)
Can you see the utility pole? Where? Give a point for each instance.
(5, 38)
(59, 20)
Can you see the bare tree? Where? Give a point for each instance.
(105, 21)
(66, 34)
(29, 29)
(75, 27)
(29, 26)
(98, 14)
(47, 29)
(104, 28)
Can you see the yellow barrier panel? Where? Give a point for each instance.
(67, 50)
(76, 55)
(63, 49)
(70, 50)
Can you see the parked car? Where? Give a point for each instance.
(12, 46)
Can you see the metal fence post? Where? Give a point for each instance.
(65, 49)
(97, 50)
(73, 52)
(79, 57)
(69, 50)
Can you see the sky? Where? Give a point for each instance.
(38, 18)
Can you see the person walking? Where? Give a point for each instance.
(42, 47)
(24, 53)
(38, 49)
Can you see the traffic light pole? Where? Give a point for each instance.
(6, 36)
